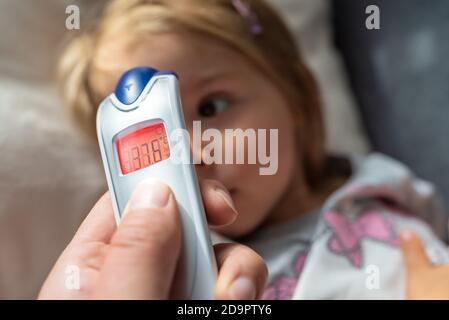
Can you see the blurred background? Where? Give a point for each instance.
(384, 90)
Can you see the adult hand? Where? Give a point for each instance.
(138, 259)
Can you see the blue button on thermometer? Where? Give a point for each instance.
(134, 127)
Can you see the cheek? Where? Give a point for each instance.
(278, 118)
(258, 194)
(286, 158)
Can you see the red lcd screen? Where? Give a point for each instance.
(142, 148)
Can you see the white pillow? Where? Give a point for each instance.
(51, 175)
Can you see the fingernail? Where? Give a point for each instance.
(242, 289)
(150, 194)
(224, 194)
(407, 235)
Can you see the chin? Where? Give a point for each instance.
(238, 228)
(248, 219)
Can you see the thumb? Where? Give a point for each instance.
(413, 251)
(143, 253)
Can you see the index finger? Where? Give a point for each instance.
(99, 225)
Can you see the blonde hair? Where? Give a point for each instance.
(273, 52)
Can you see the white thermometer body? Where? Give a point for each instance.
(134, 126)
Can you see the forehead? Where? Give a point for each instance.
(194, 57)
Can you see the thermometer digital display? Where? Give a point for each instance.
(142, 148)
(136, 128)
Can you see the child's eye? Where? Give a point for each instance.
(213, 106)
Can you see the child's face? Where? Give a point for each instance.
(222, 90)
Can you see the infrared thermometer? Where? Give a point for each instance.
(134, 127)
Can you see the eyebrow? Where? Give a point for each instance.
(206, 79)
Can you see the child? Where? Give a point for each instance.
(326, 227)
